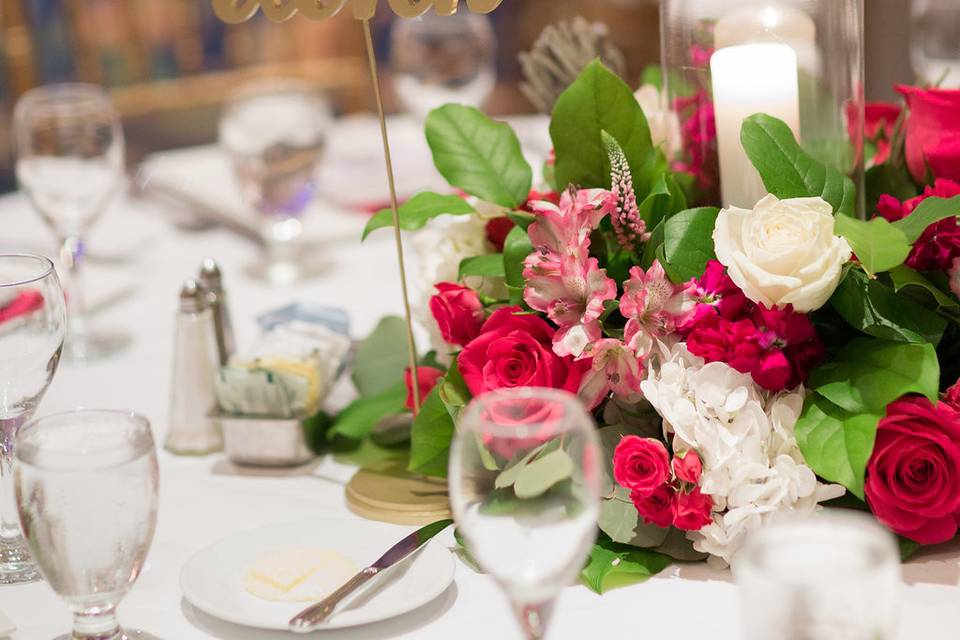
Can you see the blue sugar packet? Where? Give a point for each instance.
(333, 318)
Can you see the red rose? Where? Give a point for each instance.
(694, 510)
(641, 464)
(497, 231)
(688, 468)
(427, 378)
(913, 477)
(880, 119)
(658, 508)
(952, 396)
(933, 132)
(515, 350)
(939, 245)
(458, 312)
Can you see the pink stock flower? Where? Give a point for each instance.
(714, 293)
(939, 246)
(693, 510)
(955, 277)
(699, 134)
(652, 306)
(616, 368)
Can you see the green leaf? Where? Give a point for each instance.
(788, 171)
(868, 374)
(479, 155)
(612, 565)
(835, 443)
(522, 219)
(381, 358)
(486, 266)
(516, 248)
(679, 547)
(907, 548)
(904, 278)
(653, 246)
(515, 466)
(688, 243)
(418, 211)
(930, 211)
(879, 245)
(869, 306)
(453, 391)
(537, 477)
(431, 437)
(367, 453)
(888, 179)
(600, 101)
(362, 415)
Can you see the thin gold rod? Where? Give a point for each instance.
(411, 343)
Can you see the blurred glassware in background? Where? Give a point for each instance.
(832, 575)
(70, 163)
(274, 132)
(935, 42)
(32, 325)
(87, 495)
(525, 489)
(436, 60)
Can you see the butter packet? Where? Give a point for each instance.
(252, 392)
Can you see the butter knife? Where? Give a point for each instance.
(313, 617)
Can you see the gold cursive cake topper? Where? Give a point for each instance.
(236, 11)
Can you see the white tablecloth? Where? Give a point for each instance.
(150, 259)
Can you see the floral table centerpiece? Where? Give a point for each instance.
(741, 363)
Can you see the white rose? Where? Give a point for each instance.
(783, 252)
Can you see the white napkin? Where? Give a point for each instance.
(6, 626)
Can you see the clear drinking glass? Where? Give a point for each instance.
(831, 576)
(525, 471)
(32, 325)
(440, 59)
(86, 486)
(274, 132)
(935, 42)
(69, 147)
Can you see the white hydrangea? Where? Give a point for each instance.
(752, 466)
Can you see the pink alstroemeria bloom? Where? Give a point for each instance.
(615, 368)
(652, 306)
(565, 229)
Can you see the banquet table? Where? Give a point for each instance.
(138, 261)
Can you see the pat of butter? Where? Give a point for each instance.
(298, 575)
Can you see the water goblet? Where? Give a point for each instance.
(525, 483)
(32, 326)
(86, 490)
(274, 132)
(829, 576)
(70, 163)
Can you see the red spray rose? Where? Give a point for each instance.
(939, 245)
(952, 396)
(427, 378)
(693, 510)
(658, 508)
(933, 132)
(517, 351)
(913, 477)
(458, 312)
(880, 119)
(641, 464)
(688, 468)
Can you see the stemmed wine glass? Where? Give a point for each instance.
(436, 60)
(32, 326)
(274, 132)
(86, 490)
(70, 156)
(525, 471)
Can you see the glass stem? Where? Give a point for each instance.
(533, 618)
(9, 520)
(72, 256)
(99, 624)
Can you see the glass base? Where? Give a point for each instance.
(16, 566)
(93, 346)
(125, 634)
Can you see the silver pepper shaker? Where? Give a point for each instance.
(211, 279)
(195, 366)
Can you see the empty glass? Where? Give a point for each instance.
(831, 576)
(32, 326)
(69, 147)
(86, 486)
(525, 471)
(441, 59)
(274, 132)
(935, 42)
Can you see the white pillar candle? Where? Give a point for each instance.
(749, 79)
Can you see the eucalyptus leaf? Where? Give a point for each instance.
(454, 392)
(879, 245)
(479, 155)
(619, 520)
(512, 471)
(688, 243)
(431, 437)
(790, 172)
(418, 211)
(490, 265)
(381, 357)
(680, 548)
(539, 476)
(928, 212)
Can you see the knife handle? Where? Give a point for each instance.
(309, 619)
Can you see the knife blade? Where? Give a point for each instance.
(312, 617)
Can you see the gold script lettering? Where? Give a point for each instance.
(236, 11)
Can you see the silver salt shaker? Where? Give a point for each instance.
(211, 279)
(195, 364)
